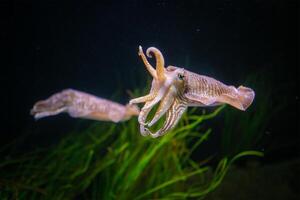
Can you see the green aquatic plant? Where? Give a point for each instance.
(113, 161)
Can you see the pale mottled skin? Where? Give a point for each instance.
(82, 105)
(176, 89)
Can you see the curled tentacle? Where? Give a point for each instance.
(160, 62)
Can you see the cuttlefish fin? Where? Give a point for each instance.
(240, 98)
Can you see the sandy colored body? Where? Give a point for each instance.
(175, 89)
(83, 105)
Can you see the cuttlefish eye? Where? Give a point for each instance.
(180, 76)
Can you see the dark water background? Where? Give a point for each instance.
(93, 47)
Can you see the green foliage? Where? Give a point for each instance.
(113, 161)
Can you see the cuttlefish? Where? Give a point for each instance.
(175, 89)
(83, 105)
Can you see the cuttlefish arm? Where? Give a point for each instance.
(162, 109)
(157, 90)
(157, 74)
(83, 105)
(164, 106)
(173, 116)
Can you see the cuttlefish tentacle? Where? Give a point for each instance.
(160, 62)
(157, 74)
(148, 66)
(156, 99)
(148, 97)
(144, 114)
(142, 119)
(175, 91)
(174, 103)
(158, 81)
(172, 117)
(164, 105)
(157, 92)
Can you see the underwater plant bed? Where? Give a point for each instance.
(113, 161)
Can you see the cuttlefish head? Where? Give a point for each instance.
(167, 86)
(177, 76)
